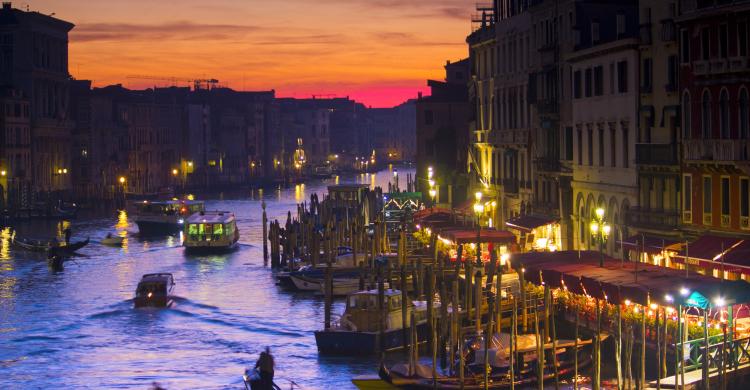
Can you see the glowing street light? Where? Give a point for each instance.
(174, 172)
(479, 210)
(600, 230)
(122, 179)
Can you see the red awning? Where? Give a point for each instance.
(709, 247)
(527, 223)
(467, 236)
(648, 243)
(430, 212)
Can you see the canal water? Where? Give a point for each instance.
(78, 329)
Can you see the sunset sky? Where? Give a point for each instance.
(379, 52)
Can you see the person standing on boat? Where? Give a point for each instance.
(265, 368)
(67, 233)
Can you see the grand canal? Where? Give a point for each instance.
(78, 328)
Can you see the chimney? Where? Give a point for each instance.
(6, 5)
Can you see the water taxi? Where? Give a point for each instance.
(154, 290)
(164, 217)
(211, 231)
(356, 332)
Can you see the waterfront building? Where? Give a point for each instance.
(15, 148)
(482, 152)
(34, 50)
(658, 138)
(713, 86)
(604, 118)
(442, 134)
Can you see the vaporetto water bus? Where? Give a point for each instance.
(211, 231)
(164, 217)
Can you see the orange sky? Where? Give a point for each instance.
(379, 52)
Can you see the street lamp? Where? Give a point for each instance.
(600, 230)
(122, 179)
(433, 194)
(479, 210)
(174, 172)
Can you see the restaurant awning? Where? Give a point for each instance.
(649, 244)
(730, 254)
(527, 223)
(468, 236)
(431, 211)
(639, 283)
(708, 247)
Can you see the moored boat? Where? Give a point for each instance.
(154, 290)
(112, 240)
(356, 331)
(49, 246)
(211, 231)
(164, 217)
(525, 363)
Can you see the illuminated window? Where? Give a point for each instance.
(218, 229)
(192, 228)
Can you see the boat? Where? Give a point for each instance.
(211, 231)
(164, 217)
(309, 278)
(356, 331)
(252, 380)
(112, 240)
(323, 171)
(525, 365)
(49, 246)
(154, 290)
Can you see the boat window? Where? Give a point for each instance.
(202, 228)
(192, 228)
(218, 229)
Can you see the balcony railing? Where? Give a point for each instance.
(512, 136)
(643, 217)
(655, 154)
(510, 186)
(716, 149)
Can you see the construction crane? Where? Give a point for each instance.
(198, 84)
(324, 96)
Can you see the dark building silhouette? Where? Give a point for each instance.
(34, 60)
(442, 133)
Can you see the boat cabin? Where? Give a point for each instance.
(154, 290)
(363, 314)
(211, 229)
(169, 207)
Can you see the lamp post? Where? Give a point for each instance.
(600, 230)
(478, 210)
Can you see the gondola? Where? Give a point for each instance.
(49, 246)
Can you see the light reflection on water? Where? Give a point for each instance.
(77, 328)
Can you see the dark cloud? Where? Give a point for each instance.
(181, 30)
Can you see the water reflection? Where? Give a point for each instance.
(77, 329)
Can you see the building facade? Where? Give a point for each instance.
(713, 84)
(35, 61)
(604, 118)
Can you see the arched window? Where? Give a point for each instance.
(724, 113)
(706, 115)
(744, 119)
(686, 123)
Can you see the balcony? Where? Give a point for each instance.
(547, 164)
(655, 154)
(668, 31)
(739, 64)
(716, 149)
(510, 186)
(512, 136)
(650, 218)
(548, 106)
(645, 33)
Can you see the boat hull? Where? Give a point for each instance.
(344, 342)
(208, 248)
(152, 302)
(158, 228)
